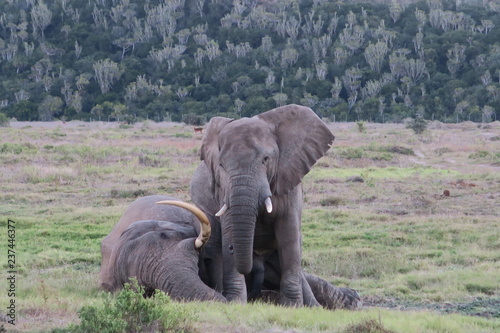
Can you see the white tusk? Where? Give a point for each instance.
(221, 211)
(269, 205)
(205, 228)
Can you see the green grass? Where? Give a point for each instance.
(394, 237)
(261, 317)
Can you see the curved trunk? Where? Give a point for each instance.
(189, 287)
(178, 275)
(241, 216)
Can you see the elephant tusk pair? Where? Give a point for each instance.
(205, 229)
(268, 203)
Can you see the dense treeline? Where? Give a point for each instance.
(193, 59)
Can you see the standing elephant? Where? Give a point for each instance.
(158, 245)
(250, 180)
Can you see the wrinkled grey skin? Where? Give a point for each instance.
(246, 161)
(155, 244)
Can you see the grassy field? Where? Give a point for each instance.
(410, 221)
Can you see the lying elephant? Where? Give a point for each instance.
(160, 254)
(168, 256)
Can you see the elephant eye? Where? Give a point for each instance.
(163, 235)
(266, 158)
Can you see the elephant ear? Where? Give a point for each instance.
(210, 144)
(303, 138)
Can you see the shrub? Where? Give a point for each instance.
(400, 150)
(331, 201)
(418, 125)
(367, 326)
(194, 119)
(131, 312)
(351, 153)
(4, 121)
(361, 126)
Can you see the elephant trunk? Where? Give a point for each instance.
(189, 287)
(183, 283)
(242, 215)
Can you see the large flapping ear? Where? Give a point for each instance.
(210, 143)
(303, 138)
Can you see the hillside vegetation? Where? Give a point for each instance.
(411, 222)
(189, 60)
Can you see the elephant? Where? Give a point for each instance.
(160, 246)
(249, 186)
(161, 250)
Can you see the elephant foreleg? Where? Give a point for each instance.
(332, 297)
(289, 238)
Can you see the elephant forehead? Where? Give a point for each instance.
(139, 228)
(247, 133)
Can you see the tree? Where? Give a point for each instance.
(395, 9)
(50, 106)
(40, 17)
(375, 54)
(352, 38)
(456, 59)
(352, 80)
(488, 113)
(280, 99)
(106, 73)
(238, 106)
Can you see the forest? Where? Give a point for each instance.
(190, 60)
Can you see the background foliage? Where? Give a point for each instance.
(193, 59)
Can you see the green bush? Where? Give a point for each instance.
(131, 312)
(351, 153)
(361, 126)
(418, 125)
(194, 119)
(4, 121)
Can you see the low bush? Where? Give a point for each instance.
(418, 125)
(4, 121)
(130, 312)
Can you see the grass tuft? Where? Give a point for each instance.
(367, 326)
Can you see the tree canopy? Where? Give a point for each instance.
(194, 59)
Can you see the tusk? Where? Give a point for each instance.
(205, 229)
(269, 205)
(221, 211)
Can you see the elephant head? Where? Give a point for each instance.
(164, 255)
(254, 163)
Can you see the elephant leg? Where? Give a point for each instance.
(289, 237)
(332, 297)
